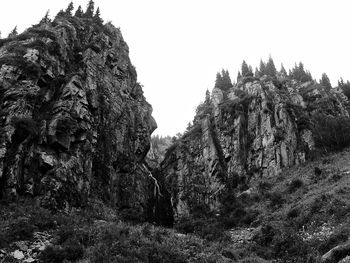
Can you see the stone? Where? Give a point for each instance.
(85, 123)
(17, 254)
(251, 136)
(337, 253)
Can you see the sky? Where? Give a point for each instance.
(178, 46)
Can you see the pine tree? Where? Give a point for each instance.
(79, 12)
(46, 19)
(13, 33)
(245, 69)
(257, 73)
(239, 75)
(97, 17)
(223, 80)
(262, 68)
(60, 13)
(270, 68)
(69, 9)
(89, 13)
(207, 97)
(324, 81)
(283, 71)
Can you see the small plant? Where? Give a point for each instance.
(276, 199)
(21, 229)
(295, 184)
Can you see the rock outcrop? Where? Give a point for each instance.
(74, 121)
(245, 133)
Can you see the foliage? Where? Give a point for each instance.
(270, 68)
(345, 86)
(246, 70)
(89, 13)
(295, 184)
(298, 73)
(69, 9)
(79, 12)
(331, 132)
(324, 81)
(223, 80)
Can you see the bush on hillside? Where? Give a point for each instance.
(331, 133)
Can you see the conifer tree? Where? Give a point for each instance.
(262, 68)
(69, 9)
(79, 12)
(239, 75)
(283, 71)
(257, 73)
(97, 16)
(223, 80)
(13, 33)
(245, 69)
(60, 13)
(324, 81)
(89, 13)
(207, 97)
(46, 19)
(270, 68)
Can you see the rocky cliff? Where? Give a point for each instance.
(74, 122)
(250, 131)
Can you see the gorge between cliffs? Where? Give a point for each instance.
(259, 175)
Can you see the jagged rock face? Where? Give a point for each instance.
(252, 131)
(74, 121)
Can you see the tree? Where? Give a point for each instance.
(283, 71)
(239, 75)
(69, 9)
(223, 80)
(262, 68)
(270, 68)
(79, 12)
(298, 73)
(246, 70)
(324, 81)
(257, 73)
(13, 33)
(207, 97)
(46, 19)
(345, 87)
(97, 17)
(89, 13)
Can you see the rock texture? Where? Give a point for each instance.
(250, 131)
(74, 121)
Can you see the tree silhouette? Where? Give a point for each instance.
(13, 33)
(46, 19)
(283, 70)
(223, 80)
(97, 17)
(262, 68)
(246, 71)
(79, 12)
(270, 68)
(69, 9)
(324, 81)
(89, 13)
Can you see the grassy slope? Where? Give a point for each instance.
(301, 215)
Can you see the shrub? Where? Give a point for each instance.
(56, 254)
(331, 132)
(21, 229)
(293, 213)
(276, 199)
(295, 184)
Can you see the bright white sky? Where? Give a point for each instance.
(178, 46)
